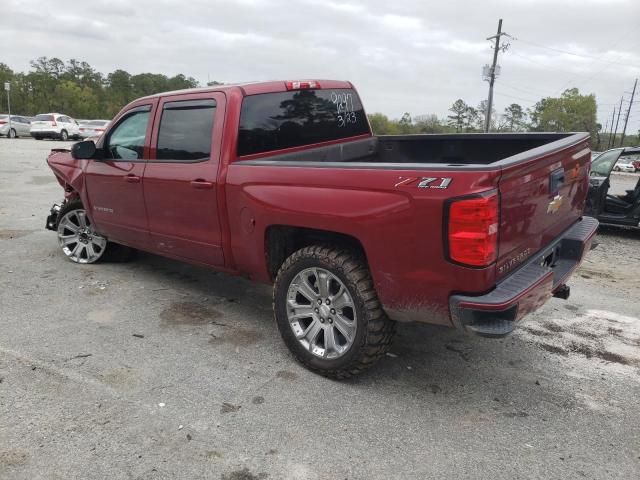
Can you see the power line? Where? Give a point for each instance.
(593, 57)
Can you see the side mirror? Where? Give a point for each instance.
(83, 150)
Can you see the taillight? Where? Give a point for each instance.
(302, 85)
(54, 124)
(472, 230)
(2, 122)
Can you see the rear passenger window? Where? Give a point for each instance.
(273, 121)
(185, 130)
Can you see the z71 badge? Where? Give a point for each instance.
(425, 182)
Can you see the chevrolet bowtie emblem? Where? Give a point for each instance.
(555, 204)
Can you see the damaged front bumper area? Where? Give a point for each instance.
(496, 313)
(52, 219)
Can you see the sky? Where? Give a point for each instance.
(415, 56)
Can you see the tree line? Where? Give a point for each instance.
(570, 112)
(77, 89)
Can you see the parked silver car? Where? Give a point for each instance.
(93, 128)
(18, 126)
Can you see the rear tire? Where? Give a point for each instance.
(356, 311)
(12, 133)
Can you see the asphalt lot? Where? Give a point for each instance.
(155, 369)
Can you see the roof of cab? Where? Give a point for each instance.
(253, 88)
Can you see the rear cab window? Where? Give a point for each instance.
(276, 121)
(43, 118)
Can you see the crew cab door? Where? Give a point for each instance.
(114, 182)
(180, 181)
(599, 181)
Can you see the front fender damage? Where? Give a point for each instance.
(69, 172)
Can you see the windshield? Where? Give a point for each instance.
(602, 165)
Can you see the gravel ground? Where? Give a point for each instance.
(155, 369)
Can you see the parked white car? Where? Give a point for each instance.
(54, 125)
(624, 165)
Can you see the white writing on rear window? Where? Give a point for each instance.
(344, 107)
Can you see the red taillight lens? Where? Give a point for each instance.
(54, 124)
(302, 85)
(2, 122)
(473, 230)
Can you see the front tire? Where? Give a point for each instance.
(64, 136)
(12, 133)
(328, 312)
(80, 243)
(76, 236)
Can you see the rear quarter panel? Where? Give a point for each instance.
(398, 224)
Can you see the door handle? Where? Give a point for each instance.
(202, 184)
(132, 178)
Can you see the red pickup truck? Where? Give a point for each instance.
(283, 182)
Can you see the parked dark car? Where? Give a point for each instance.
(621, 210)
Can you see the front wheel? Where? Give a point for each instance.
(12, 133)
(328, 312)
(79, 242)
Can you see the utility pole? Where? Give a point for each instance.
(492, 74)
(626, 119)
(615, 132)
(7, 87)
(613, 116)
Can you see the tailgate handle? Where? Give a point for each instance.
(556, 180)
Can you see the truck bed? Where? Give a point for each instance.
(466, 150)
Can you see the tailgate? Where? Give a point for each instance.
(541, 195)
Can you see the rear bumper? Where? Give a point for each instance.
(44, 133)
(496, 313)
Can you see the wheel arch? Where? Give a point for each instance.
(281, 241)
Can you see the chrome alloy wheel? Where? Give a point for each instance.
(78, 240)
(321, 313)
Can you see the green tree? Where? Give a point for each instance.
(405, 124)
(381, 125)
(514, 117)
(472, 119)
(571, 112)
(429, 124)
(459, 111)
